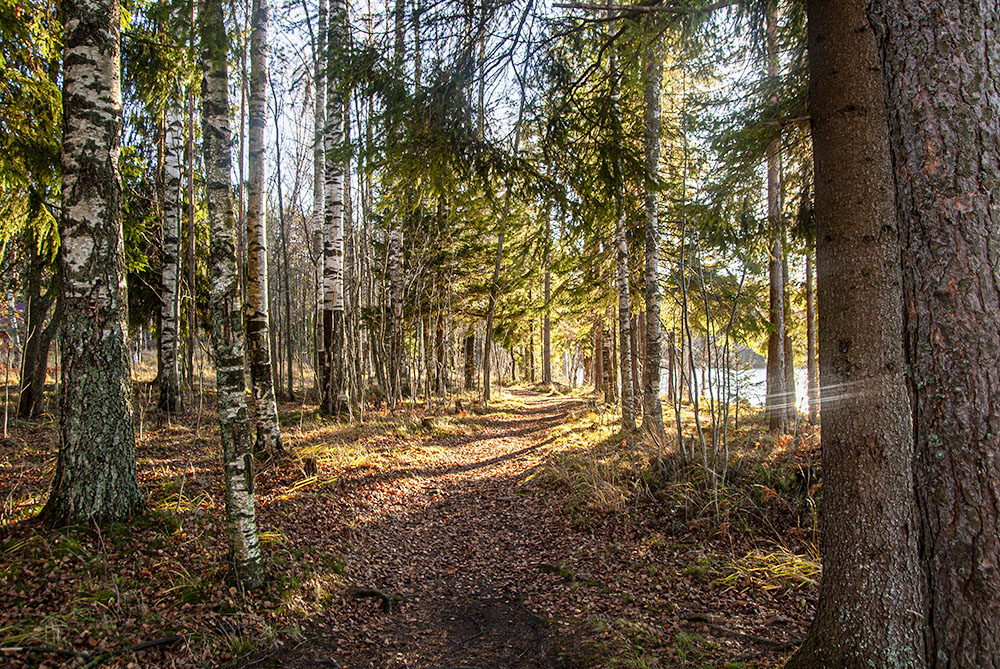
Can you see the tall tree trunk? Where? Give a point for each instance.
(395, 361)
(812, 366)
(257, 313)
(599, 356)
(192, 318)
(319, 186)
(470, 360)
(490, 314)
(226, 305)
(546, 323)
(286, 275)
(870, 598)
(942, 76)
(38, 335)
(95, 478)
(791, 401)
(170, 397)
(652, 410)
(333, 229)
(776, 391)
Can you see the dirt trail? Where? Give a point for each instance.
(458, 542)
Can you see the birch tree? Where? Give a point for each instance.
(170, 273)
(225, 303)
(319, 186)
(95, 478)
(652, 411)
(257, 316)
(334, 395)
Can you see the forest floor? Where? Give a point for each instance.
(524, 537)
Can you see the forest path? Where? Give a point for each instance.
(459, 540)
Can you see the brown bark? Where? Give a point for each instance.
(869, 608)
(942, 76)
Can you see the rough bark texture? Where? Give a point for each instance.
(335, 386)
(942, 72)
(869, 609)
(170, 295)
(95, 478)
(775, 401)
(257, 313)
(225, 304)
(652, 410)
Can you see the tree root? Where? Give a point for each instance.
(389, 601)
(92, 659)
(709, 622)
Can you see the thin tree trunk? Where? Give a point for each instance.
(942, 76)
(812, 366)
(546, 323)
(470, 360)
(225, 304)
(38, 335)
(791, 403)
(652, 410)
(95, 478)
(776, 391)
(192, 324)
(319, 185)
(395, 361)
(870, 599)
(334, 340)
(258, 324)
(169, 399)
(286, 275)
(490, 313)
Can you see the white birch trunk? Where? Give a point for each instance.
(170, 272)
(257, 312)
(225, 304)
(95, 477)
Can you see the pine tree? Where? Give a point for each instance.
(870, 597)
(942, 75)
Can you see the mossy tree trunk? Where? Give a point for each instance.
(95, 478)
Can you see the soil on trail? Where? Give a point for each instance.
(467, 560)
(443, 557)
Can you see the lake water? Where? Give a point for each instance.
(751, 385)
